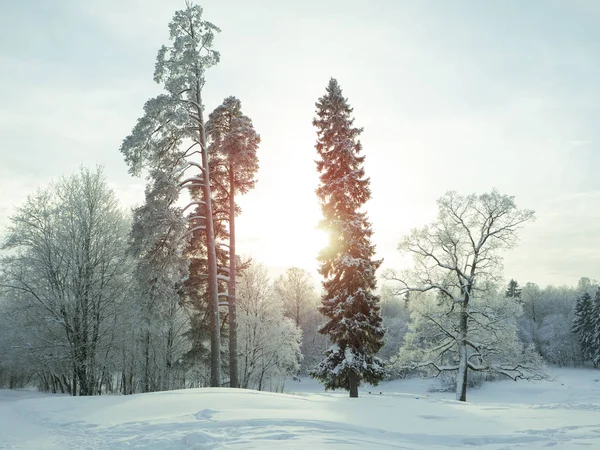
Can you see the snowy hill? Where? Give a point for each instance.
(563, 413)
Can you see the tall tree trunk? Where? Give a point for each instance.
(353, 379)
(213, 293)
(233, 344)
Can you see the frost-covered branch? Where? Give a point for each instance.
(192, 203)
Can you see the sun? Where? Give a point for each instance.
(295, 248)
(278, 226)
(293, 239)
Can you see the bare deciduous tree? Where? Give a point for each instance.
(297, 291)
(70, 274)
(458, 257)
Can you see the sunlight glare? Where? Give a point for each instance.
(295, 248)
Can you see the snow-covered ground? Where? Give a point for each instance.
(563, 413)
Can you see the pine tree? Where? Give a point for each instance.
(160, 139)
(354, 321)
(583, 325)
(233, 145)
(513, 290)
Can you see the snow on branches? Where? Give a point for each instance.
(353, 312)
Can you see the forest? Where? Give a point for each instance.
(98, 299)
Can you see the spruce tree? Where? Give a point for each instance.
(513, 290)
(583, 325)
(354, 321)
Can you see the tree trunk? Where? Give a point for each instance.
(74, 384)
(213, 293)
(260, 381)
(353, 379)
(233, 344)
(147, 362)
(168, 382)
(461, 377)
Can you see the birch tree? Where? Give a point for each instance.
(457, 257)
(171, 132)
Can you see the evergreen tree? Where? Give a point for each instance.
(160, 140)
(233, 145)
(513, 290)
(347, 264)
(583, 325)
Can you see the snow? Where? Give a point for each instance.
(563, 413)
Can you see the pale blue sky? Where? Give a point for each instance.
(462, 95)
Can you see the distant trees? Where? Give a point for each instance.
(354, 321)
(457, 258)
(545, 323)
(557, 344)
(548, 315)
(532, 300)
(396, 319)
(269, 343)
(66, 283)
(296, 290)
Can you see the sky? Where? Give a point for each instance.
(461, 95)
